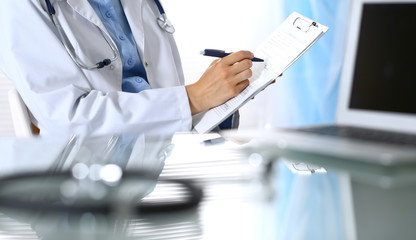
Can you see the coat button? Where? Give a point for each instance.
(146, 64)
(112, 67)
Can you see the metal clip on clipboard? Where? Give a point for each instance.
(304, 24)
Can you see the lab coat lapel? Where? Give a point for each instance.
(84, 8)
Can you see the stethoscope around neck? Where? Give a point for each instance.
(161, 20)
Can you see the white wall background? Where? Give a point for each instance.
(230, 25)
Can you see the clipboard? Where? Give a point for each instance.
(280, 50)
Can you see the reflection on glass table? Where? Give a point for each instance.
(355, 198)
(133, 187)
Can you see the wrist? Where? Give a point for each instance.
(193, 97)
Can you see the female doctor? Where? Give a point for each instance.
(97, 67)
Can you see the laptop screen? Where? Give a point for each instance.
(384, 77)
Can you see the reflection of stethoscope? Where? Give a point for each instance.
(162, 21)
(60, 192)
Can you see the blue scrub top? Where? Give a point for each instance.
(112, 15)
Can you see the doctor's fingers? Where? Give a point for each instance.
(242, 76)
(242, 85)
(234, 72)
(237, 57)
(241, 66)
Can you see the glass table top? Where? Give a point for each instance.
(189, 186)
(134, 187)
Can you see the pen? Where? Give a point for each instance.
(213, 141)
(221, 54)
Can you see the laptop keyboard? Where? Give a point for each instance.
(364, 134)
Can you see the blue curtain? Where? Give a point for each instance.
(310, 206)
(307, 93)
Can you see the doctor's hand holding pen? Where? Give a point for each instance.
(224, 79)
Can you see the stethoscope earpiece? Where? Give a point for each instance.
(103, 63)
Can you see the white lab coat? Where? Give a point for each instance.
(64, 99)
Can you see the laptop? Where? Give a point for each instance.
(376, 111)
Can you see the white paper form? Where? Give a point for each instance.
(280, 50)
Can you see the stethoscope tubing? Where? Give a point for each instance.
(160, 7)
(162, 21)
